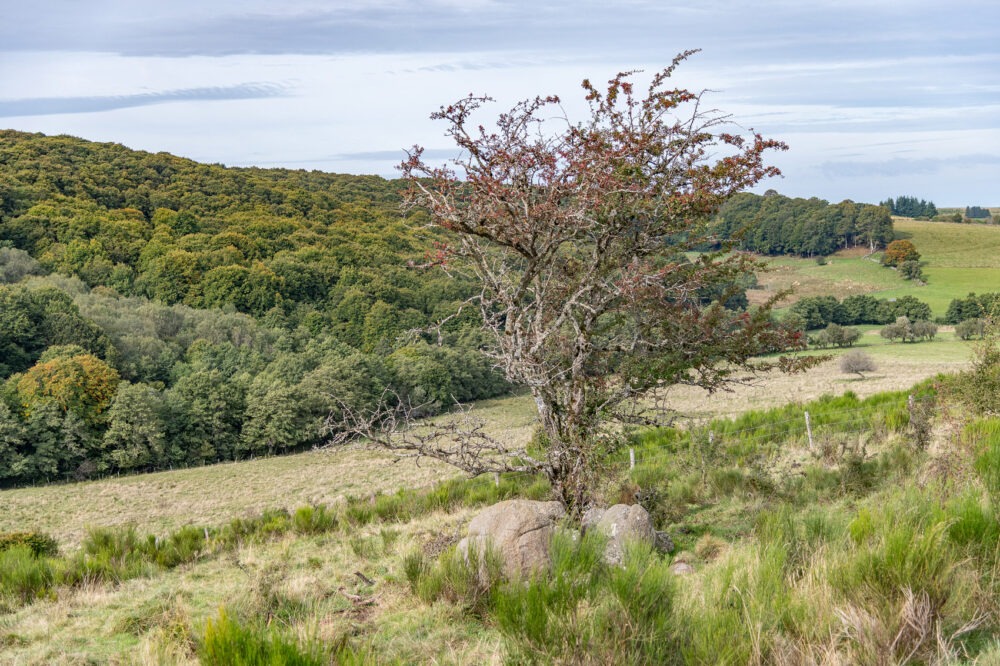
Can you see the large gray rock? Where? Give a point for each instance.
(620, 523)
(518, 531)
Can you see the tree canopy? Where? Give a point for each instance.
(907, 206)
(225, 307)
(577, 235)
(774, 224)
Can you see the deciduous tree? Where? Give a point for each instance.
(577, 234)
(899, 251)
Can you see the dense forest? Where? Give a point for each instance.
(209, 313)
(774, 224)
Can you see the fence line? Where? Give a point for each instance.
(808, 427)
(813, 429)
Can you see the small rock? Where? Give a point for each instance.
(591, 517)
(681, 568)
(662, 542)
(622, 523)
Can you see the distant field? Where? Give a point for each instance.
(900, 366)
(994, 210)
(959, 258)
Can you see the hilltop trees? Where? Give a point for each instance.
(773, 224)
(977, 213)
(906, 206)
(576, 234)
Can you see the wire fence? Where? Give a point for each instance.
(813, 430)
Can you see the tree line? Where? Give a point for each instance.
(773, 224)
(814, 312)
(907, 206)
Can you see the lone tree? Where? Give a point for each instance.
(898, 252)
(577, 235)
(857, 363)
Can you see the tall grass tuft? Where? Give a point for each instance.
(314, 519)
(109, 555)
(466, 580)
(227, 642)
(584, 611)
(24, 576)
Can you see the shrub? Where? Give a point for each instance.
(23, 575)
(269, 523)
(857, 362)
(980, 386)
(313, 519)
(227, 642)
(912, 270)
(581, 607)
(987, 466)
(970, 328)
(899, 251)
(908, 331)
(468, 581)
(415, 567)
(184, 545)
(837, 335)
(109, 554)
(39, 543)
(924, 330)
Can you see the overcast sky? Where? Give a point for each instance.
(875, 98)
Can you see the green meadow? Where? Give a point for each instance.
(959, 258)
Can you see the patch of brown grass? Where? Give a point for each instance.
(825, 379)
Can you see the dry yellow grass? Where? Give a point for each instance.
(211, 495)
(150, 620)
(824, 379)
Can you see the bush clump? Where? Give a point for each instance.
(39, 543)
(24, 576)
(857, 363)
(228, 642)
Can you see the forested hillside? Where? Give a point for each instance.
(158, 312)
(213, 313)
(774, 224)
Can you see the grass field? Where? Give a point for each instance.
(899, 367)
(960, 258)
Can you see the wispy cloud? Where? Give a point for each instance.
(429, 153)
(47, 106)
(900, 166)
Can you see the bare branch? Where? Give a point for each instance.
(458, 438)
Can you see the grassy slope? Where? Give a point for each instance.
(134, 622)
(960, 258)
(300, 581)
